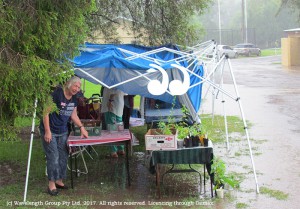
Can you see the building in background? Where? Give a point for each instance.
(290, 48)
(123, 35)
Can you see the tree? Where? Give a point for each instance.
(36, 36)
(154, 22)
(294, 5)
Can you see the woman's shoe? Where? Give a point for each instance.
(53, 192)
(61, 187)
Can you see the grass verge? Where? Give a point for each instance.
(106, 179)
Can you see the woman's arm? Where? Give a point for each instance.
(48, 134)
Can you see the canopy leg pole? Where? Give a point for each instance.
(30, 150)
(223, 105)
(245, 125)
(213, 98)
(225, 123)
(225, 117)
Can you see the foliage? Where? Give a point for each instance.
(184, 129)
(168, 128)
(183, 132)
(36, 37)
(294, 5)
(153, 22)
(49, 106)
(221, 178)
(196, 129)
(164, 128)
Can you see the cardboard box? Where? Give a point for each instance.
(156, 141)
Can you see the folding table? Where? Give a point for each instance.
(106, 138)
(192, 155)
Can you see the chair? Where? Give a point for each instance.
(79, 151)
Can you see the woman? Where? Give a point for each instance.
(54, 130)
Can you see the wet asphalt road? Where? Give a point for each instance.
(270, 96)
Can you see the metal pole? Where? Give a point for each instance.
(220, 29)
(30, 149)
(246, 25)
(243, 21)
(245, 125)
(224, 109)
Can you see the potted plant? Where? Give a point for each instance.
(166, 128)
(182, 133)
(218, 169)
(195, 133)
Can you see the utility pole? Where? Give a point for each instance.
(220, 29)
(244, 21)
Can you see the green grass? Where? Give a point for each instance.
(91, 186)
(215, 127)
(104, 178)
(279, 195)
(90, 88)
(271, 52)
(241, 205)
(267, 52)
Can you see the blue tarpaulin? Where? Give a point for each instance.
(125, 67)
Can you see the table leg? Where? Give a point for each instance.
(204, 177)
(127, 163)
(76, 169)
(71, 162)
(211, 189)
(157, 171)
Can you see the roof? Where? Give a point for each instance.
(130, 68)
(293, 30)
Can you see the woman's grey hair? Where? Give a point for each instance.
(71, 81)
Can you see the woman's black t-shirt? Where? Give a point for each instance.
(59, 120)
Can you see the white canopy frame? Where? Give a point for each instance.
(30, 149)
(220, 68)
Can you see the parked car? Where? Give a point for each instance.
(247, 49)
(227, 50)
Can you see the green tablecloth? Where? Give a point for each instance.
(193, 155)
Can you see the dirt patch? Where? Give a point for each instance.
(25, 133)
(8, 170)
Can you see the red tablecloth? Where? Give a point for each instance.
(105, 138)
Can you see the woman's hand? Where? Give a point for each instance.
(48, 136)
(84, 133)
